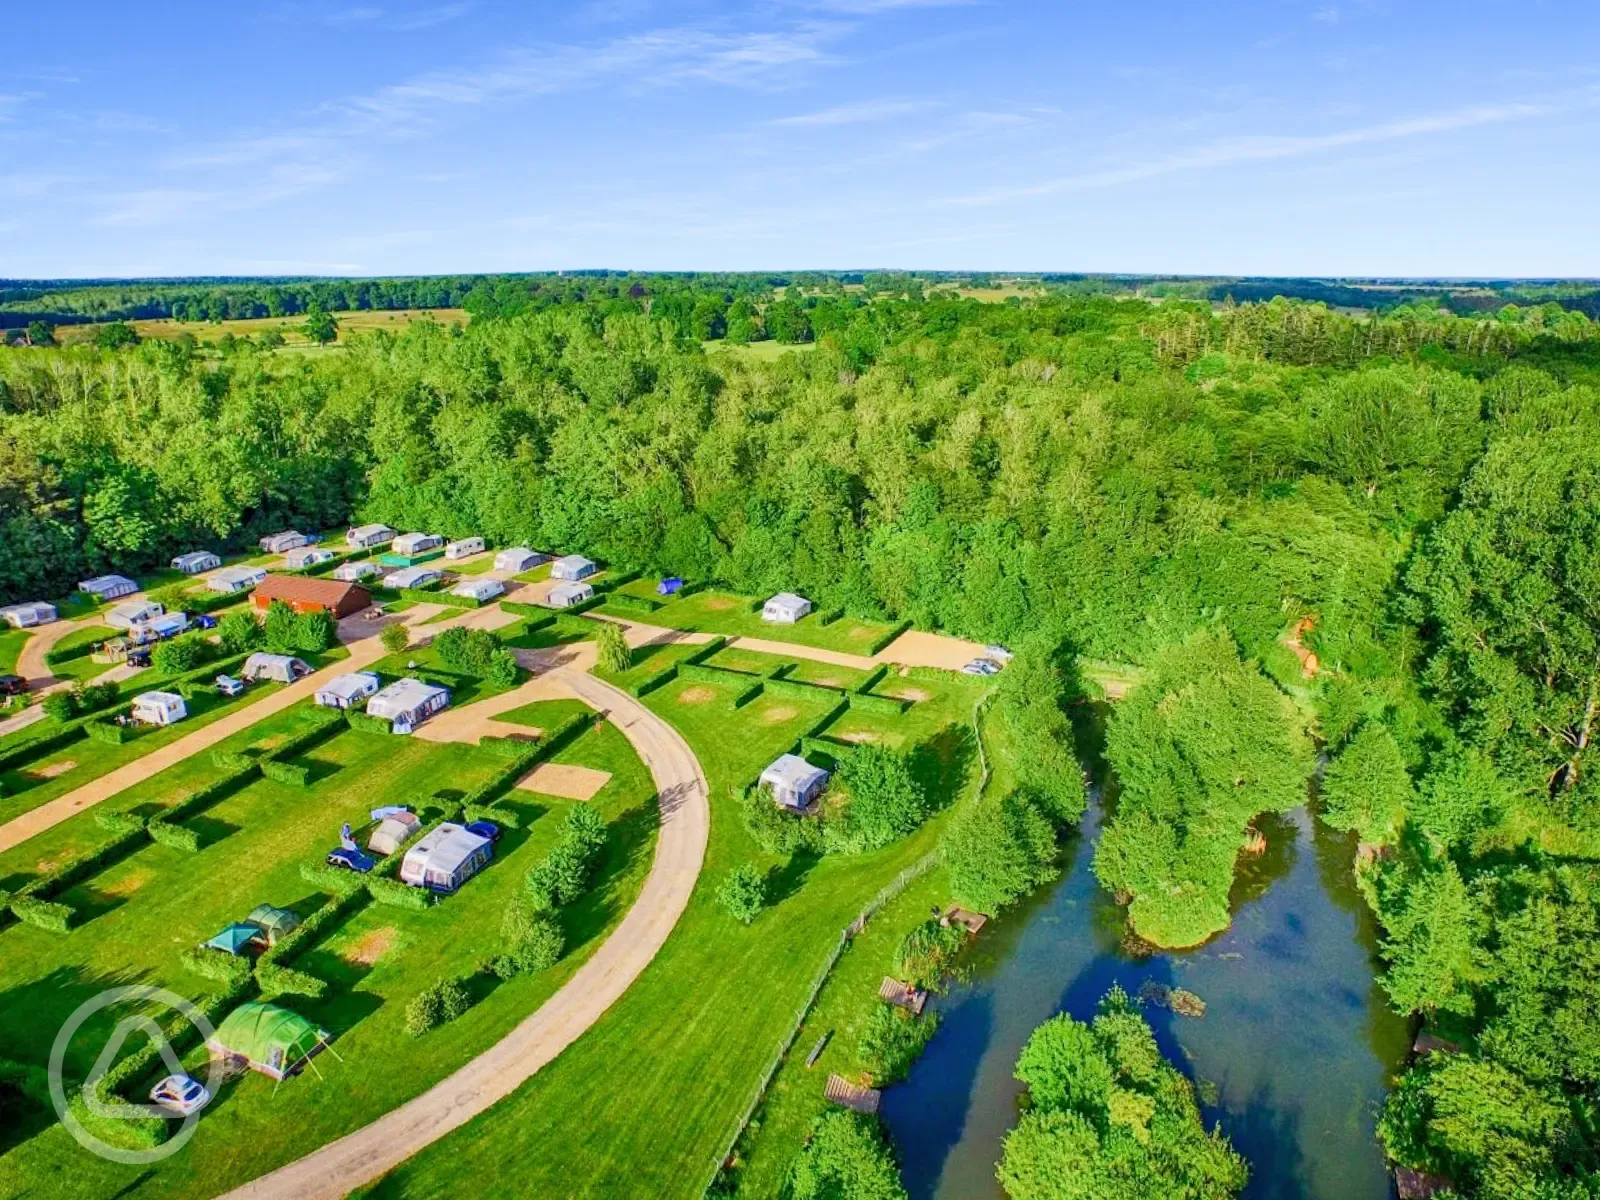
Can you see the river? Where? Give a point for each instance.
(1291, 1055)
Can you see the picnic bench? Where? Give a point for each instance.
(968, 920)
(841, 1091)
(907, 997)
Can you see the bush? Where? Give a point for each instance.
(886, 801)
(231, 760)
(181, 654)
(59, 706)
(440, 1002)
(469, 652)
(331, 879)
(845, 1156)
(395, 637)
(280, 630)
(998, 851)
(398, 895)
(503, 669)
(114, 820)
(565, 872)
(45, 914)
(534, 939)
(611, 642)
(743, 892)
(891, 1040)
(313, 631)
(925, 952)
(775, 830)
(240, 633)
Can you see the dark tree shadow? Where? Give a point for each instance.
(785, 880)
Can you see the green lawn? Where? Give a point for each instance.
(11, 643)
(647, 660)
(150, 907)
(723, 612)
(690, 1039)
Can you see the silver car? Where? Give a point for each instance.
(981, 666)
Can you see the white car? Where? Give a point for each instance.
(227, 685)
(998, 652)
(180, 1094)
(981, 666)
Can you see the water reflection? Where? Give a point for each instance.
(1292, 1054)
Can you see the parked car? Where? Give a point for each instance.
(998, 652)
(138, 658)
(484, 829)
(181, 1095)
(12, 685)
(227, 685)
(981, 666)
(204, 621)
(351, 860)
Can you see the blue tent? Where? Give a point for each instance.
(236, 937)
(669, 587)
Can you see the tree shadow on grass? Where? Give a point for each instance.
(629, 839)
(784, 881)
(941, 764)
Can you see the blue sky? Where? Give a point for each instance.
(417, 136)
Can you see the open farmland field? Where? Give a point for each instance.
(350, 324)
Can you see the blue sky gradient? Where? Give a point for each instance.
(1356, 137)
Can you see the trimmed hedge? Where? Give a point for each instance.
(178, 837)
(85, 865)
(507, 817)
(53, 738)
(45, 914)
(106, 733)
(363, 723)
(294, 774)
(883, 705)
(750, 693)
(872, 680)
(719, 675)
(826, 748)
(827, 718)
(323, 724)
(203, 798)
(651, 682)
(118, 820)
(517, 608)
(399, 895)
(276, 980)
(448, 599)
(797, 690)
(217, 964)
(55, 656)
(628, 602)
(331, 879)
(885, 639)
(504, 747)
(829, 616)
(231, 760)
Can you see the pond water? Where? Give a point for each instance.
(1291, 1056)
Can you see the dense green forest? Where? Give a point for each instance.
(1173, 486)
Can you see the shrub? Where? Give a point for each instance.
(628, 602)
(565, 871)
(231, 760)
(313, 631)
(115, 820)
(534, 939)
(60, 706)
(440, 1002)
(395, 637)
(467, 651)
(891, 1040)
(331, 879)
(845, 1156)
(743, 892)
(280, 628)
(181, 654)
(179, 837)
(927, 950)
(886, 801)
(240, 632)
(998, 851)
(502, 669)
(651, 682)
(45, 914)
(775, 830)
(611, 642)
(398, 895)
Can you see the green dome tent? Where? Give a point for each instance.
(272, 1040)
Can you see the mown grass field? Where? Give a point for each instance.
(714, 611)
(350, 324)
(643, 1103)
(11, 643)
(153, 905)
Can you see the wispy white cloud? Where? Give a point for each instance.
(860, 113)
(1233, 151)
(1327, 15)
